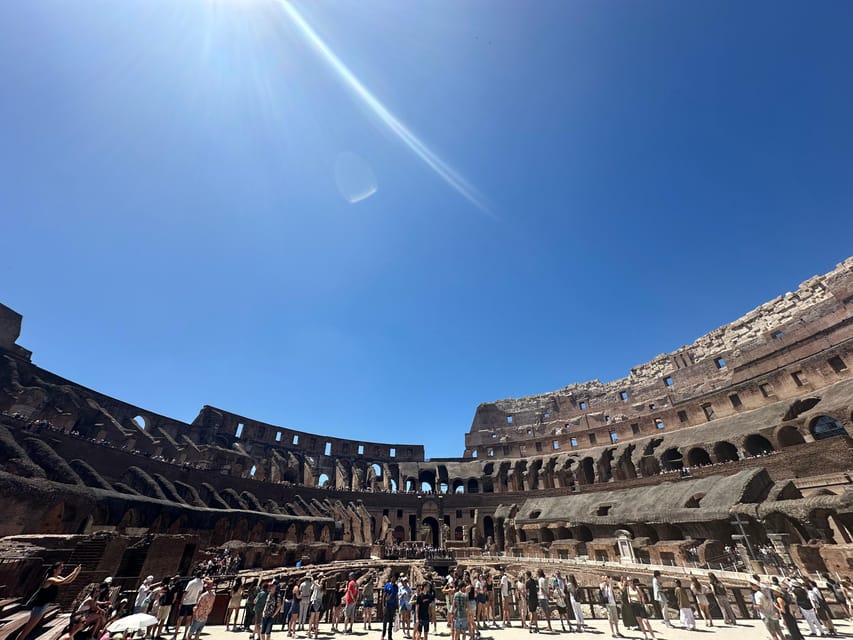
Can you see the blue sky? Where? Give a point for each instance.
(173, 177)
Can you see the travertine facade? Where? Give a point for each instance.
(750, 421)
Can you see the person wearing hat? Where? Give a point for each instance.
(783, 602)
(143, 595)
(764, 606)
(203, 607)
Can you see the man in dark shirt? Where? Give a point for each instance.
(423, 599)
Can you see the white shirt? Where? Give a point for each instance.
(504, 586)
(193, 591)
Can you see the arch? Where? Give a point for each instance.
(323, 480)
(757, 445)
(726, 452)
(458, 486)
(410, 484)
(140, 421)
(583, 533)
(430, 526)
(426, 480)
(586, 471)
(488, 528)
(672, 460)
(473, 486)
(399, 534)
(800, 406)
(788, 436)
(824, 427)
(458, 533)
(698, 457)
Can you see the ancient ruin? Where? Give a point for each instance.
(738, 441)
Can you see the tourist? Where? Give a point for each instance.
(764, 606)
(404, 597)
(143, 595)
(350, 600)
(847, 593)
(272, 608)
(820, 606)
(505, 598)
(338, 607)
(521, 600)
(806, 607)
(432, 597)
(389, 601)
(448, 590)
(471, 593)
(542, 596)
(260, 602)
(659, 596)
(628, 618)
(701, 592)
(718, 589)
(305, 588)
(782, 601)
(459, 607)
(315, 606)
(423, 599)
(367, 602)
(685, 610)
(88, 613)
(188, 601)
(637, 601)
(575, 600)
(293, 613)
(558, 595)
(203, 607)
(46, 595)
(531, 588)
(609, 598)
(235, 599)
(165, 599)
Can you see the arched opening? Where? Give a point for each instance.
(488, 528)
(757, 445)
(458, 486)
(252, 471)
(726, 452)
(800, 406)
(789, 436)
(399, 534)
(443, 487)
(410, 484)
(824, 427)
(323, 480)
(377, 471)
(473, 486)
(583, 533)
(426, 480)
(586, 471)
(672, 460)
(429, 528)
(392, 484)
(457, 533)
(141, 422)
(698, 457)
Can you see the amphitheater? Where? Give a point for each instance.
(732, 453)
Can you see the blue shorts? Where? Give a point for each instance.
(266, 626)
(37, 612)
(197, 626)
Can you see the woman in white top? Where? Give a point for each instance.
(316, 607)
(701, 593)
(574, 600)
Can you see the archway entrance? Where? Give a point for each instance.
(429, 531)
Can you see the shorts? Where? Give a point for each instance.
(186, 610)
(472, 605)
(197, 626)
(316, 607)
(423, 624)
(368, 603)
(772, 625)
(37, 612)
(638, 610)
(612, 613)
(163, 612)
(406, 607)
(349, 610)
(266, 625)
(460, 623)
(543, 604)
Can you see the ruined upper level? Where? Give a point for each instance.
(710, 378)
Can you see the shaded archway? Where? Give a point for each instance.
(457, 533)
(488, 528)
(726, 452)
(473, 486)
(458, 486)
(399, 534)
(789, 436)
(824, 427)
(757, 445)
(429, 526)
(586, 471)
(672, 460)
(698, 457)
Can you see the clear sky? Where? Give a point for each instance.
(362, 218)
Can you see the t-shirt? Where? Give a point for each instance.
(352, 592)
(167, 596)
(142, 595)
(422, 602)
(261, 601)
(271, 604)
(504, 586)
(193, 591)
(305, 589)
(682, 598)
(460, 605)
(390, 592)
(204, 606)
(530, 585)
(405, 595)
(765, 604)
(542, 589)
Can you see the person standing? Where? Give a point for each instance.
(350, 599)
(575, 600)
(305, 588)
(422, 615)
(659, 596)
(532, 603)
(609, 600)
(783, 606)
(637, 600)
(316, 607)
(165, 599)
(389, 600)
(505, 598)
(187, 605)
(143, 595)
(202, 610)
(768, 612)
(367, 599)
(685, 610)
(719, 591)
(404, 596)
(459, 606)
(701, 593)
(234, 601)
(46, 595)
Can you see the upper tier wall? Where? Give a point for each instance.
(793, 327)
